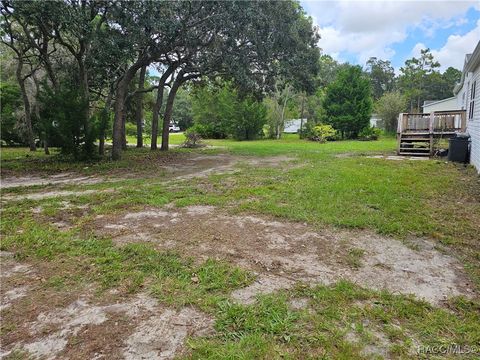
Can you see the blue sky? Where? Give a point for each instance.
(396, 30)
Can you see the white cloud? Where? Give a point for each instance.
(454, 50)
(370, 28)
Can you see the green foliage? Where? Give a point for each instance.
(64, 116)
(192, 138)
(11, 100)
(221, 112)
(182, 109)
(322, 133)
(414, 77)
(388, 107)
(130, 129)
(382, 76)
(348, 103)
(328, 68)
(369, 133)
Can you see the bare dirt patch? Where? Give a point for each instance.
(379, 343)
(51, 194)
(136, 328)
(58, 179)
(178, 167)
(282, 253)
(79, 323)
(398, 157)
(205, 165)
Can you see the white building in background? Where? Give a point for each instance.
(292, 126)
(376, 121)
(440, 105)
(467, 94)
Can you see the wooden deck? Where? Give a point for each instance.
(418, 134)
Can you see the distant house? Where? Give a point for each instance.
(293, 126)
(441, 105)
(467, 94)
(376, 121)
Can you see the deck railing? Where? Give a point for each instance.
(435, 122)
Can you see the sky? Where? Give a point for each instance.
(354, 31)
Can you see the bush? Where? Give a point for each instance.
(222, 113)
(369, 133)
(64, 117)
(204, 131)
(12, 107)
(130, 129)
(322, 133)
(348, 102)
(388, 107)
(193, 138)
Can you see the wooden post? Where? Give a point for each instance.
(431, 129)
(463, 120)
(399, 131)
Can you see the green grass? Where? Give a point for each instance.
(330, 184)
(272, 329)
(175, 139)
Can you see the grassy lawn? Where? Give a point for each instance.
(333, 185)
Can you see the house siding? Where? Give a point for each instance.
(473, 126)
(445, 105)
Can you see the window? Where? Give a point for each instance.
(472, 101)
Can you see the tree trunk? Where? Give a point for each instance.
(45, 145)
(101, 144)
(118, 125)
(169, 110)
(301, 116)
(158, 106)
(124, 132)
(104, 122)
(139, 107)
(26, 105)
(282, 119)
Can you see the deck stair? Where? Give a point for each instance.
(417, 133)
(415, 144)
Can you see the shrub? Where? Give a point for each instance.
(12, 106)
(322, 133)
(388, 107)
(130, 129)
(193, 138)
(64, 116)
(222, 112)
(348, 102)
(369, 133)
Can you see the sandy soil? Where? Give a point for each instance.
(191, 166)
(58, 179)
(78, 325)
(282, 253)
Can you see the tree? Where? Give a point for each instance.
(328, 68)
(11, 102)
(182, 111)
(388, 107)
(348, 102)
(440, 86)
(277, 106)
(223, 112)
(414, 78)
(139, 106)
(382, 76)
(102, 45)
(15, 40)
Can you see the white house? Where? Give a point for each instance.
(376, 121)
(440, 105)
(467, 93)
(292, 126)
